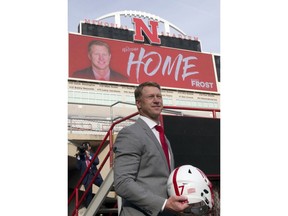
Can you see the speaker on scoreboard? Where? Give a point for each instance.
(180, 43)
(127, 35)
(193, 45)
(120, 34)
(217, 60)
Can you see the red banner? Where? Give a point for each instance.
(170, 67)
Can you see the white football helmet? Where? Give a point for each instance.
(192, 182)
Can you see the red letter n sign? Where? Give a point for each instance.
(140, 27)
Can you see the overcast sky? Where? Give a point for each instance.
(196, 18)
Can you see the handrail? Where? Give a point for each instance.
(110, 153)
(195, 109)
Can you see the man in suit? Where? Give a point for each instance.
(99, 55)
(84, 156)
(141, 169)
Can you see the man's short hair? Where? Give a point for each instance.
(86, 144)
(138, 90)
(98, 43)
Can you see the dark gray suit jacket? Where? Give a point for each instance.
(140, 171)
(87, 73)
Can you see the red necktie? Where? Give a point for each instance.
(163, 142)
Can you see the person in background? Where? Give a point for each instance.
(84, 156)
(141, 169)
(99, 55)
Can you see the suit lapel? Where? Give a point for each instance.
(149, 132)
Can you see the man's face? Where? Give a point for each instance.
(87, 146)
(150, 104)
(99, 57)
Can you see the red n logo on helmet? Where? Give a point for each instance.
(140, 27)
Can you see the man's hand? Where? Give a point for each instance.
(177, 203)
(87, 153)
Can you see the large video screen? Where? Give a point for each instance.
(134, 63)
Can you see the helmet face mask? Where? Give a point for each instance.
(190, 181)
(199, 208)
